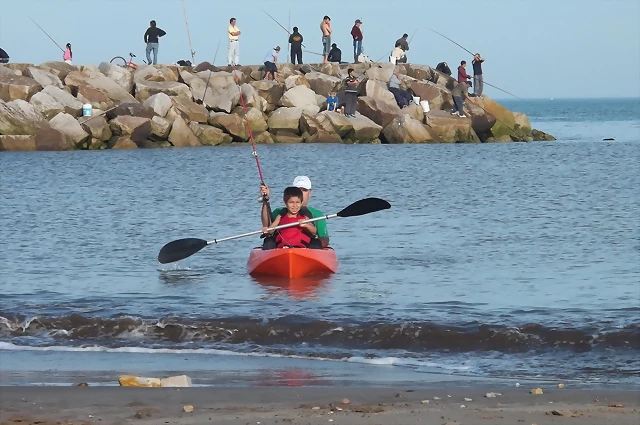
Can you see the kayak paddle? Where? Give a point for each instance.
(182, 248)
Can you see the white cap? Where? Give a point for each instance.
(303, 182)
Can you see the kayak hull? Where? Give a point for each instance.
(292, 262)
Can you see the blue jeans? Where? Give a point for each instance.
(458, 102)
(357, 48)
(152, 47)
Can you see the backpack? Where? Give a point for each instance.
(444, 68)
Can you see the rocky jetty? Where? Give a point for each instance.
(41, 107)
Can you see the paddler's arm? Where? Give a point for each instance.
(266, 220)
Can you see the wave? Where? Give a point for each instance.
(294, 331)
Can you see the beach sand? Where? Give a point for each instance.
(288, 405)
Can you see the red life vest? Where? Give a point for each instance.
(295, 236)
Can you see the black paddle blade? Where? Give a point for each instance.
(364, 206)
(180, 249)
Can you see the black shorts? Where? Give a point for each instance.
(270, 67)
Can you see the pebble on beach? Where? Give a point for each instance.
(188, 408)
(345, 401)
(536, 391)
(561, 386)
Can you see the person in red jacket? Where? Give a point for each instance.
(296, 236)
(356, 33)
(462, 72)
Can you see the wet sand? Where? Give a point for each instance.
(287, 405)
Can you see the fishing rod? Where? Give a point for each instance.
(193, 54)
(468, 51)
(47, 34)
(201, 101)
(280, 25)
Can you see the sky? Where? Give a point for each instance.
(533, 48)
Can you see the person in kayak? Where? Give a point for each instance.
(299, 236)
(303, 183)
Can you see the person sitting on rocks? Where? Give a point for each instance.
(271, 63)
(459, 93)
(444, 68)
(4, 56)
(332, 102)
(398, 54)
(403, 97)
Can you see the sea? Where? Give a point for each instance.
(509, 262)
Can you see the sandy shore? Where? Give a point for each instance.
(286, 405)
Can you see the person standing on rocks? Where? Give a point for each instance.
(325, 27)
(295, 39)
(462, 72)
(233, 55)
(151, 38)
(356, 33)
(478, 80)
(459, 93)
(350, 94)
(67, 56)
(271, 63)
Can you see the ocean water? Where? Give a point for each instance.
(495, 261)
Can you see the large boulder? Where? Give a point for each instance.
(122, 76)
(181, 134)
(97, 127)
(380, 112)
(15, 121)
(131, 110)
(309, 124)
(323, 84)
(210, 136)
(44, 78)
(221, 79)
(381, 72)
(404, 129)
(202, 93)
(284, 136)
(421, 72)
(323, 137)
(295, 80)
(117, 142)
(145, 89)
(364, 130)
(333, 121)
(99, 81)
(263, 137)
(379, 91)
(4, 70)
(331, 69)
(438, 97)
(256, 119)
(46, 105)
(541, 135)
(191, 109)
(69, 126)
(157, 73)
(160, 103)
(59, 69)
(285, 119)
(522, 126)
(50, 139)
(232, 124)
(270, 91)
(28, 110)
(135, 128)
(97, 98)
(505, 120)
(414, 111)
(481, 121)
(446, 128)
(17, 87)
(12, 142)
(72, 106)
(300, 97)
(160, 128)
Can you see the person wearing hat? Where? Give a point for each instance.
(356, 33)
(304, 183)
(459, 93)
(335, 54)
(271, 63)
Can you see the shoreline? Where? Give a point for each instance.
(287, 405)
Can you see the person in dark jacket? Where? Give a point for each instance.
(402, 42)
(335, 54)
(295, 39)
(4, 56)
(151, 38)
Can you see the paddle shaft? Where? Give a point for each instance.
(284, 226)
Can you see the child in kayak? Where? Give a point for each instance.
(296, 236)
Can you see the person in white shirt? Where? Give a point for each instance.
(233, 57)
(271, 63)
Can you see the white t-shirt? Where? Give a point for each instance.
(270, 56)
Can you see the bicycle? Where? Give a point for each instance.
(116, 60)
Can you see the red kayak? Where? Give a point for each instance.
(292, 262)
